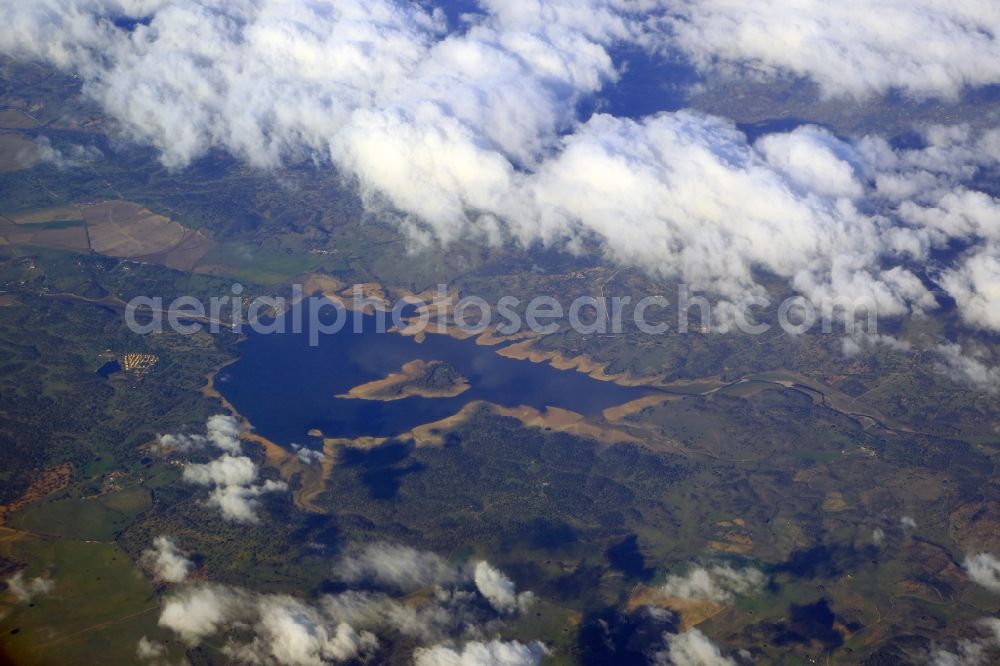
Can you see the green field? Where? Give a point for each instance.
(100, 606)
(98, 519)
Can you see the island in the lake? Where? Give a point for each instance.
(416, 379)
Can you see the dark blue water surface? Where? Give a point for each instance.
(109, 368)
(285, 387)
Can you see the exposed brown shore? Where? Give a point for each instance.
(435, 317)
(552, 419)
(406, 384)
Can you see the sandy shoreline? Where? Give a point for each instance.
(400, 385)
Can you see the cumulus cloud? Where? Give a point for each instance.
(197, 612)
(234, 491)
(499, 590)
(850, 47)
(221, 431)
(344, 626)
(814, 160)
(975, 283)
(405, 569)
(292, 632)
(180, 443)
(308, 456)
(240, 503)
(984, 569)
(971, 651)
(685, 195)
(852, 345)
(232, 477)
(718, 583)
(148, 650)
(472, 130)
(267, 79)
(475, 653)
(691, 648)
(26, 591)
(69, 157)
(396, 567)
(166, 561)
(967, 370)
(227, 470)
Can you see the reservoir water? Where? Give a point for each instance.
(285, 387)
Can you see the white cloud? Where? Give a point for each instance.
(396, 567)
(166, 561)
(197, 612)
(221, 431)
(308, 456)
(224, 432)
(975, 283)
(603, 21)
(908, 523)
(467, 132)
(967, 370)
(276, 628)
(148, 650)
(240, 503)
(971, 651)
(27, 591)
(691, 648)
(814, 160)
(180, 443)
(499, 590)
(293, 633)
(684, 195)
(270, 78)
(404, 569)
(71, 157)
(852, 345)
(285, 630)
(956, 213)
(494, 653)
(231, 477)
(717, 583)
(227, 470)
(849, 47)
(448, 613)
(984, 569)
(878, 536)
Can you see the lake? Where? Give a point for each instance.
(285, 387)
